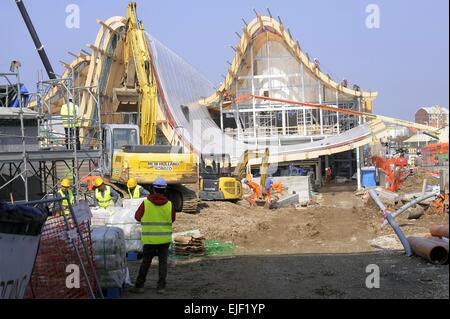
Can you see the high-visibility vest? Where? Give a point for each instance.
(156, 223)
(136, 192)
(69, 115)
(106, 199)
(64, 203)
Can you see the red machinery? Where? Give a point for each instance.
(394, 169)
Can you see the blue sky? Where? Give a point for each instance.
(406, 60)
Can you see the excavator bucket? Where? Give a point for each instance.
(126, 99)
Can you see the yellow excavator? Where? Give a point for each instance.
(219, 182)
(216, 180)
(130, 150)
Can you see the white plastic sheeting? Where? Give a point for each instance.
(110, 256)
(122, 218)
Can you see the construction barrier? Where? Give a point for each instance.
(58, 269)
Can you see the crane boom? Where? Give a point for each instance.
(37, 43)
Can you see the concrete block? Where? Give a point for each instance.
(300, 185)
(285, 201)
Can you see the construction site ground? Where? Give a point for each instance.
(319, 251)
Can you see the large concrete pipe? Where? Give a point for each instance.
(429, 249)
(440, 241)
(439, 230)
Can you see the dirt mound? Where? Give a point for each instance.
(224, 220)
(414, 183)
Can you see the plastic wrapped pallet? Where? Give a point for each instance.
(110, 256)
(124, 219)
(100, 216)
(132, 204)
(134, 245)
(120, 215)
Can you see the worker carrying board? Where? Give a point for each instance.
(156, 215)
(105, 195)
(272, 188)
(256, 191)
(70, 116)
(135, 190)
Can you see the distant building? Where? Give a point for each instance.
(436, 116)
(416, 142)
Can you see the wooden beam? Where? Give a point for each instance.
(103, 52)
(103, 24)
(66, 65)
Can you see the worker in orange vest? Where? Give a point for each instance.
(329, 174)
(272, 186)
(256, 191)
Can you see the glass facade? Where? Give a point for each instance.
(271, 70)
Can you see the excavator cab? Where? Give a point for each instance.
(216, 181)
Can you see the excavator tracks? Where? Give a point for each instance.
(191, 202)
(184, 198)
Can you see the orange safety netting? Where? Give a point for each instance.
(56, 252)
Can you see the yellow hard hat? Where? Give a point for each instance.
(98, 181)
(66, 183)
(131, 183)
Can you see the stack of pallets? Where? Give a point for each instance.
(189, 245)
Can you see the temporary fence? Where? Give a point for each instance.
(64, 266)
(55, 259)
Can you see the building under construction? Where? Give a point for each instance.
(145, 113)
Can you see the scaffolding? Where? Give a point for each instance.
(54, 154)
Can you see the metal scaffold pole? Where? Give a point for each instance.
(358, 151)
(76, 136)
(15, 68)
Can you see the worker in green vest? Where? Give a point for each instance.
(156, 215)
(65, 188)
(105, 196)
(135, 190)
(70, 116)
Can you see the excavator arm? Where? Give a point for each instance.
(139, 93)
(243, 166)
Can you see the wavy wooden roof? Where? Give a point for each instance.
(262, 24)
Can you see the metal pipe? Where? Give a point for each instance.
(439, 230)
(410, 204)
(37, 43)
(429, 249)
(392, 222)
